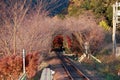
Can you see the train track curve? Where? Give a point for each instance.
(73, 72)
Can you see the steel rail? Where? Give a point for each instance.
(71, 69)
(64, 66)
(79, 72)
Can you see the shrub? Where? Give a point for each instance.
(105, 26)
(109, 14)
(11, 66)
(111, 77)
(86, 5)
(74, 10)
(32, 62)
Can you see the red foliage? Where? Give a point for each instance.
(32, 62)
(69, 41)
(58, 41)
(11, 66)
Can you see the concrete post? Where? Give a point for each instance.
(24, 61)
(114, 29)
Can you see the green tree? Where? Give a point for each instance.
(109, 15)
(86, 5)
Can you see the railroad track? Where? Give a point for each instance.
(73, 72)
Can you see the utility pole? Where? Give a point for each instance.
(114, 29)
(116, 15)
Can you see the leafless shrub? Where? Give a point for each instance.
(13, 15)
(37, 31)
(81, 30)
(85, 29)
(41, 34)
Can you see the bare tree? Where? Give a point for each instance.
(15, 15)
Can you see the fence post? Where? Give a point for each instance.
(24, 61)
(86, 45)
(23, 76)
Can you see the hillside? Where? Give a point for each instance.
(100, 8)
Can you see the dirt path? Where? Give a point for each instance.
(55, 65)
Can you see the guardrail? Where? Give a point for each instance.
(47, 74)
